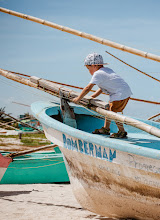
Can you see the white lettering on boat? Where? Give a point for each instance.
(89, 148)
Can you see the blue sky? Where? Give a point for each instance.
(38, 50)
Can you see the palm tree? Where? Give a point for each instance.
(2, 111)
(3, 117)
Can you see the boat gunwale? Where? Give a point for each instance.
(39, 110)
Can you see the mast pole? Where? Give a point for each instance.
(84, 35)
(87, 101)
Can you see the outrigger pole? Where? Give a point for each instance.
(89, 102)
(84, 35)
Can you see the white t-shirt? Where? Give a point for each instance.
(111, 83)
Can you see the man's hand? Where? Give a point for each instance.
(76, 100)
(83, 93)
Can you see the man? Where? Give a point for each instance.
(110, 83)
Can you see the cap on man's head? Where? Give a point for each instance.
(94, 59)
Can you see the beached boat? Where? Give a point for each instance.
(111, 177)
(41, 167)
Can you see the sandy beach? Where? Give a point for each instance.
(41, 202)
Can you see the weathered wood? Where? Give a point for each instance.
(25, 124)
(88, 102)
(67, 93)
(67, 113)
(12, 155)
(84, 35)
(17, 78)
(129, 121)
(5, 125)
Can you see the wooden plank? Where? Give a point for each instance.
(70, 94)
(13, 155)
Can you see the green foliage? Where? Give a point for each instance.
(8, 136)
(34, 142)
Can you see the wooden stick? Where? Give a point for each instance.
(9, 122)
(5, 125)
(154, 116)
(68, 93)
(129, 121)
(77, 87)
(84, 35)
(21, 104)
(17, 78)
(89, 102)
(12, 155)
(23, 123)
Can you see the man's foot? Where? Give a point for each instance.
(102, 131)
(120, 134)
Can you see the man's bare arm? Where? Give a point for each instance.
(97, 93)
(84, 92)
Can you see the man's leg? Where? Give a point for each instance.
(105, 129)
(107, 123)
(120, 126)
(114, 106)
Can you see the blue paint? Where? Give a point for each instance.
(105, 154)
(80, 146)
(112, 155)
(98, 151)
(74, 145)
(89, 148)
(85, 147)
(138, 142)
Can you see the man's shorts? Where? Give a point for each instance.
(118, 106)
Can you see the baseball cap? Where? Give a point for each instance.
(94, 59)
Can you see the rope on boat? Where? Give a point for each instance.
(133, 67)
(84, 35)
(154, 116)
(81, 88)
(42, 95)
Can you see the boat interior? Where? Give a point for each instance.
(88, 121)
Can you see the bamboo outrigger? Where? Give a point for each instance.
(87, 101)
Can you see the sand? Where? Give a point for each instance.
(41, 202)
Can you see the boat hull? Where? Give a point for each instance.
(107, 192)
(4, 163)
(36, 168)
(110, 177)
(122, 185)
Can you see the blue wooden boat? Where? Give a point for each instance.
(41, 167)
(118, 178)
(112, 177)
